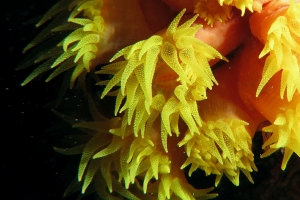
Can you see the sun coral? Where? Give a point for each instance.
(283, 114)
(166, 73)
(223, 146)
(281, 47)
(89, 36)
(228, 135)
(179, 104)
(121, 163)
(79, 48)
(212, 11)
(285, 134)
(212, 8)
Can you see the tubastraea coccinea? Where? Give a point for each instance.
(283, 114)
(115, 165)
(277, 27)
(166, 75)
(86, 33)
(212, 11)
(223, 144)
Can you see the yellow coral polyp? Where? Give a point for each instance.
(222, 147)
(80, 47)
(141, 159)
(119, 164)
(97, 174)
(283, 50)
(285, 134)
(175, 185)
(240, 4)
(243, 5)
(212, 11)
(177, 52)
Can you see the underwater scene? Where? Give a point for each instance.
(153, 99)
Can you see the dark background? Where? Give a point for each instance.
(30, 169)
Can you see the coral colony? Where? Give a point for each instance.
(192, 81)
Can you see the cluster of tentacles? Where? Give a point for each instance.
(191, 80)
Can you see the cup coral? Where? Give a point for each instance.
(79, 48)
(88, 36)
(281, 37)
(283, 114)
(179, 104)
(167, 73)
(120, 163)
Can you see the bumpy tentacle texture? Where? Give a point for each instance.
(79, 48)
(223, 145)
(220, 10)
(178, 64)
(97, 175)
(212, 11)
(285, 134)
(111, 159)
(283, 48)
(140, 159)
(240, 4)
(283, 115)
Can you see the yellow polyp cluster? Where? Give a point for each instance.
(115, 165)
(97, 175)
(285, 134)
(212, 11)
(181, 56)
(222, 147)
(124, 166)
(240, 4)
(77, 50)
(220, 10)
(170, 186)
(143, 161)
(169, 120)
(101, 159)
(283, 50)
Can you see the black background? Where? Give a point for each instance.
(30, 169)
